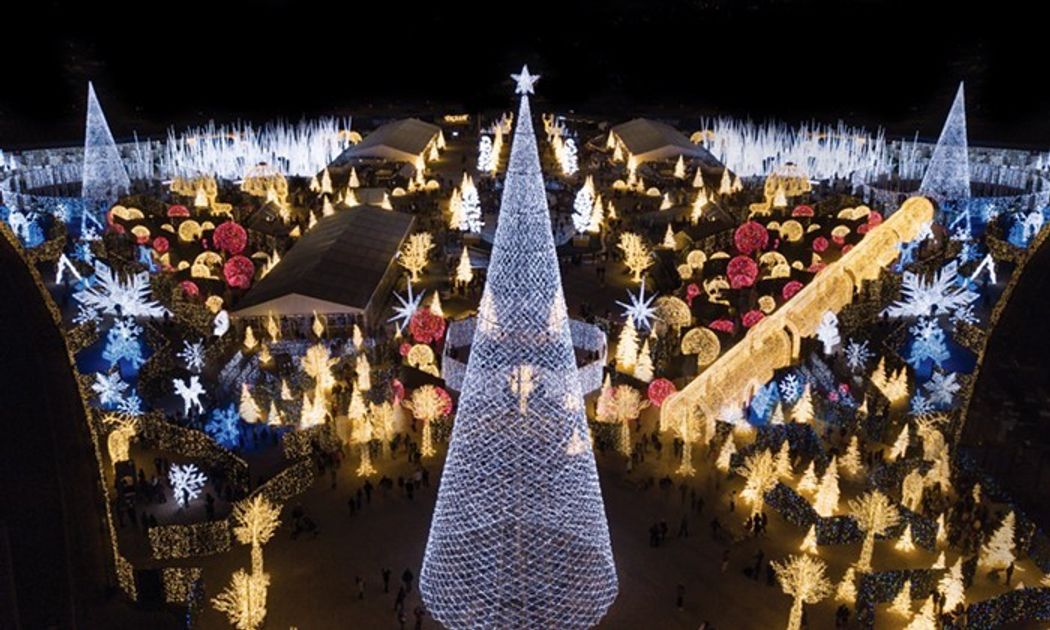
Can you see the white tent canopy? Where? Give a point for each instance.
(649, 140)
(399, 141)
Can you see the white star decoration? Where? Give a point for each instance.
(409, 305)
(639, 308)
(525, 81)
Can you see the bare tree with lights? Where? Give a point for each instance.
(875, 514)
(802, 577)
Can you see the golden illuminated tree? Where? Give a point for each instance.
(827, 499)
(809, 543)
(926, 618)
(363, 369)
(643, 367)
(911, 489)
(356, 410)
(802, 411)
(249, 339)
(875, 514)
(809, 482)
(637, 255)
(905, 543)
(901, 605)
(998, 552)
(778, 415)
(847, 589)
(760, 471)
(952, 586)
(414, 254)
(318, 365)
(802, 577)
(725, 456)
(256, 519)
(244, 600)
(851, 463)
(784, 461)
(248, 409)
(900, 446)
(464, 272)
(627, 346)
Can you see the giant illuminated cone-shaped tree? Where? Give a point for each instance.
(519, 537)
(104, 177)
(947, 176)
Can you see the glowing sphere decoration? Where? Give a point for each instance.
(230, 237)
(161, 245)
(691, 291)
(238, 272)
(426, 327)
(742, 272)
(751, 318)
(659, 390)
(190, 288)
(178, 210)
(802, 211)
(750, 237)
(820, 244)
(723, 325)
(790, 289)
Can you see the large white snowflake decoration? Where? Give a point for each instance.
(408, 307)
(109, 387)
(941, 388)
(122, 343)
(109, 295)
(857, 354)
(190, 392)
(920, 404)
(962, 315)
(192, 355)
(186, 481)
(639, 308)
(940, 294)
(223, 426)
(929, 343)
(790, 388)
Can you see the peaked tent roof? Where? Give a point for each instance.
(401, 140)
(649, 140)
(335, 267)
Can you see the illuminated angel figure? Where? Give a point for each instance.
(640, 308)
(190, 391)
(409, 305)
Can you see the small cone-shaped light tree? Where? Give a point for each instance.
(696, 210)
(256, 519)
(760, 471)
(244, 600)
(725, 185)
(249, 339)
(809, 543)
(643, 367)
(878, 376)
(847, 589)
(874, 514)
(901, 605)
(900, 447)
(952, 586)
(248, 409)
(725, 455)
(358, 338)
(942, 534)
(627, 346)
(926, 618)
(784, 461)
(698, 178)
(809, 482)
(679, 168)
(364, 377)
(940, 562)
(286, 392)
(998, 552)
(435, 304)
(802, 412)
(778, 415)
(356, 409)
(464, 272)
(850, 462)
(905, 543)
(802, 577)
(668, 242)
(594, 226)
(827, 499)
(273, 417)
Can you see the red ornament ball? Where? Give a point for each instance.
(820, 244)
(230, 237)
(802, 211)
(752, 317)
(691, 291)
(161, 245)
(238, 272)
(723, 325)
(847, 247)
(426, 327)
(742, 272)
(178, 210)
(790, 289)
(750, 237)
(189, 288)
(404, 348)
(659, 390)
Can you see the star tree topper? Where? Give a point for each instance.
(525, 81)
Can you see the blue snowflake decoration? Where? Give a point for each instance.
(942, 388)
(929, 344)
(122, 344)
(130, 404)
(224, 426)
(110, 389)
(920, 404)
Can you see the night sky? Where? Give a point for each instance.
(871, 63)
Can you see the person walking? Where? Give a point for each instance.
(386, 580)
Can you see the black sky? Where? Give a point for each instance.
(868, 62)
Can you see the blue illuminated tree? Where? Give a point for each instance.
(929, 343)
(224, 426)
(519, 537)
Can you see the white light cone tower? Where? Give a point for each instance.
(947, 176)
(104, 176)
(519, 537)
